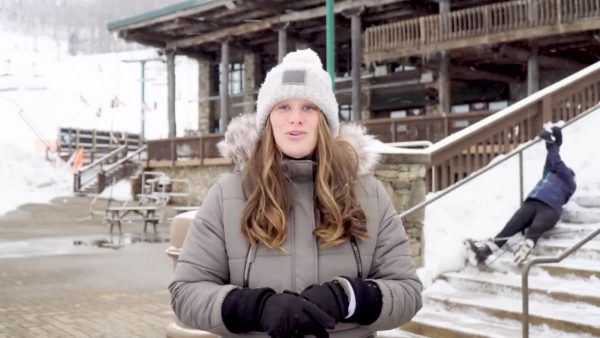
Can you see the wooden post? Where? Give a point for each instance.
(171, 93)
(356, 64)
(281, 41)
(224, 86)
(558, 11)
(546, 110)
(533, 71)
(173, 152)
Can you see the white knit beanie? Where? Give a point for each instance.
(299, 76)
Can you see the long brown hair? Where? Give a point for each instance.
(265, 215)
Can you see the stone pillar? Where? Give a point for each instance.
(404, 178)
(533, 71)
(205, 83)
(250, 74)
(224, 87)
(171, 94)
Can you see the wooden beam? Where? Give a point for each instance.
(175, 24)
(268, 23)
(184, 13)
(544, 60)
(138, 37)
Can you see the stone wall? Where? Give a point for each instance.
(403, 176)
(201, 178)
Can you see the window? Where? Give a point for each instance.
(236, 78)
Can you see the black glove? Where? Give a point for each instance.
(330, 297)
(546, 136)
(288, 315)
(368, 301)
(279, 315)
(557, 133)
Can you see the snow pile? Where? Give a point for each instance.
(480, 208)
(27, 178)
(120, 191)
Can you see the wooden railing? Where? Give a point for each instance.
(474, 147)
(194, 150)
(489, 24)
(183, 150)
(95, 143)
(88, 175)
(421, 128)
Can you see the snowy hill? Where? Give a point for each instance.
(28, 178)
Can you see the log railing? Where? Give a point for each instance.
(474, 147)
(489, 24)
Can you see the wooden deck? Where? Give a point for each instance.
(477, 26)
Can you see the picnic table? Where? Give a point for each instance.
(144, 213)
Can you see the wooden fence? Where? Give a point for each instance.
(199, 150)
(501, 22)
(191, 150)
(476, 147)
(421, 128)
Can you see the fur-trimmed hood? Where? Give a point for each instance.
(242, 135)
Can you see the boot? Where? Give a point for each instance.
(524, 250)
(479, 251)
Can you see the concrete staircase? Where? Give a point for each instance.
(564, 298)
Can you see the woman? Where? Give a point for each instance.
(301, 239)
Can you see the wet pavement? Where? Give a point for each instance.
(60, 277)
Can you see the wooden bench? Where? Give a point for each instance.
(144, 213)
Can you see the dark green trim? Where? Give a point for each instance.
(123, 23)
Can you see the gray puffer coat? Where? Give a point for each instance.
(216, 256)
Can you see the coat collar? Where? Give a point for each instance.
(242, 135)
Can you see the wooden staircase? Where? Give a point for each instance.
(564, 297)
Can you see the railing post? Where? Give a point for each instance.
(546, 110)
(76, 181)
(521, 190)
(422, 31)
(558, 11)
(486, 19)
(101, 181)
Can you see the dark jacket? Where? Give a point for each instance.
(558, 183)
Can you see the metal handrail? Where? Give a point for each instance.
(110, 167)
(518, 151)
(541, 260)
(103, 159)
